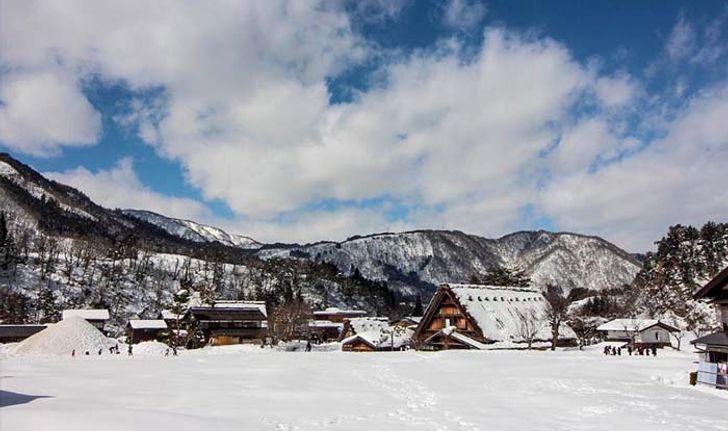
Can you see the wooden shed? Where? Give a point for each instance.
(15, 333)
(138, 330)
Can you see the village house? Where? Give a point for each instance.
(15, 333)
(371, 334)
(469, 316)
(358, 325)
(97, 318)
(228, 322)
(139, 330)
(407, 322)
(713, 366)
(638, 332)
(325, 330)
(337, 315)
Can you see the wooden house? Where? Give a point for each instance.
(713, 366)
(337, 315)
(97, 318)
(359, 343)
(370, 334)
(470, 316)
(325, 330)
(138, 330)
(15, 333)
(228, 322)
(639, 332)
(358, 325)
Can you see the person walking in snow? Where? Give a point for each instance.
(619, 351)
(629, 349)
(308, 345)
(73, 353)
(654, 350)
(129, 351)
(606, 350)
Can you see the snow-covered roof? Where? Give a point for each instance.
(147, 324)
(451, 332)
(260, 305)
(86, 314)
(382, 339)
(499, 311)
(335, 310)
(324, 324)
(170, 315)
(365, 324)
(637, 325)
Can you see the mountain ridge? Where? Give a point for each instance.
(413, 261)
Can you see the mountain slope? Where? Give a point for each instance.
(194, 231)
(420, 259)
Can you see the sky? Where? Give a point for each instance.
(299, 121)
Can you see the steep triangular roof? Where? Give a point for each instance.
(715, 288)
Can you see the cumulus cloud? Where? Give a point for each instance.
(676, 179)
(466, 139)
(120, 187)
(44, 110)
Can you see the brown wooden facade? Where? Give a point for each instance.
(445, 310)
(358, 344)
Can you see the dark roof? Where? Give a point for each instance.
(227, 313)
(714, 286)
(719, 338)
(20, 330)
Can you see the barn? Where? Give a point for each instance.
(471, 316)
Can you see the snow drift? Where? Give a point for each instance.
(73, 333)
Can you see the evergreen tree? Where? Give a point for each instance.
(503, 276)
(418, 310)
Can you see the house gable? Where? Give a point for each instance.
(445, 310)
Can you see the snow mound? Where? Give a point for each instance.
(73, 333)
(151, 348)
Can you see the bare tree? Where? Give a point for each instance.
(531, 323)
(556, 312)
(290, 320)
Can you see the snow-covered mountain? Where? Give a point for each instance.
(194, 231)
(413, 262)
(419, 260)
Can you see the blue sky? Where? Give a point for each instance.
(300, 121)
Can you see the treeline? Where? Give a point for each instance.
(42, 274)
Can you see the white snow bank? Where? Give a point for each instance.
(73, 333)
(151, 348)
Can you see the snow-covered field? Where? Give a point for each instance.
(246, 388)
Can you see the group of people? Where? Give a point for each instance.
(636, 350)
(113, 350)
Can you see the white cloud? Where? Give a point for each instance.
(681, 42)
(42, 111)
(463, 14)
(468, 140)
(677, 179)
(120, 187)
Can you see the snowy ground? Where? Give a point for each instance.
(245, 388)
